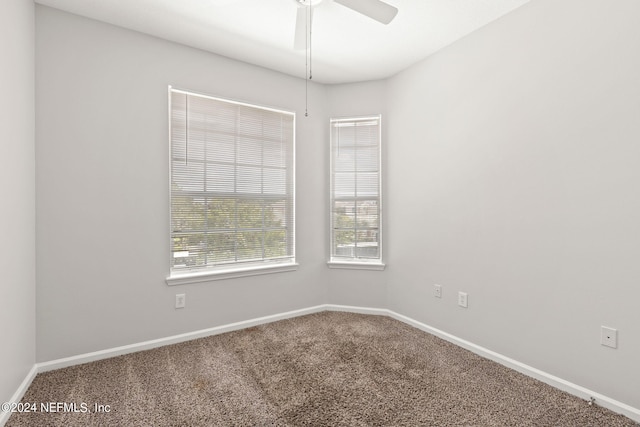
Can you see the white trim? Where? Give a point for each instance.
(231, 273)
(235, 269)
(552, 380)
(147, 345)
(359, 310)
(231, 101)
(336, 260)
(17, 396)
(356, 265)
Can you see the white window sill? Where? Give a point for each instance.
(229, 273)
(356, 265)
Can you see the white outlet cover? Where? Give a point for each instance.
(437, 291)
(180, 300)
(609, 337)
(462, 299)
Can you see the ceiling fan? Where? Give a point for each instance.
(374, 9)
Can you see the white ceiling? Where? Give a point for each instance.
(346, 46)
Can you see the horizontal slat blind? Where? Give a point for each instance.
(232, 183)
(355, 189)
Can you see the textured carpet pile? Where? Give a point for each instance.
(324, 369)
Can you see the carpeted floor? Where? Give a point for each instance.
(324, 369)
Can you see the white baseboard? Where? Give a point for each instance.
(147, 345)
(552, 380)
(574, 389)
(359, 310)
(17, 396)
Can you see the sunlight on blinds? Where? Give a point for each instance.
(355, 189)
(232, 183)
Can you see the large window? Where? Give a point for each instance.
(356, 202)
(232, 187)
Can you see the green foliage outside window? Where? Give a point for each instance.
(239, 230)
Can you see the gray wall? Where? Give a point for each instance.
(513, 175)
(17, 174)
(102, 188)
(356, 287)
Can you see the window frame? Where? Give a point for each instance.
(236, 268)
(357, 263)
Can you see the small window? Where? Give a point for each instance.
(356, 196)
(232, 186)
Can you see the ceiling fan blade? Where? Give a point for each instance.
(374, 9)
(300, 38)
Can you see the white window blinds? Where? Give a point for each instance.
(355, 190)
(232, 184)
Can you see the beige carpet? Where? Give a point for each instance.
(325, 369)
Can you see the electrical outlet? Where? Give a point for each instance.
(462, 299)
(609, 337)
(181, 300)
(437, 291)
